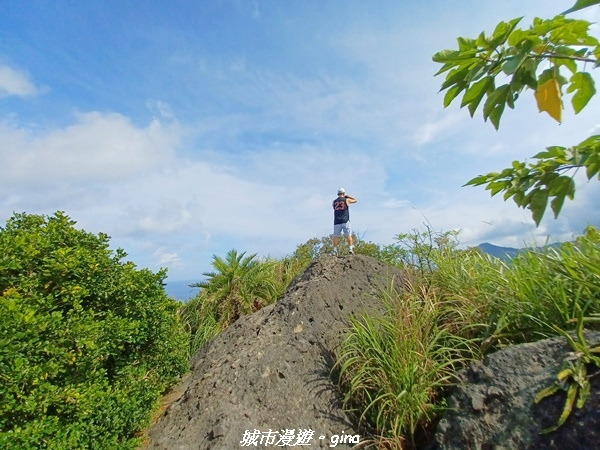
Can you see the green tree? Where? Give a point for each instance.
(239, 285)
(87, 341)
(314, 248)
(549, 57)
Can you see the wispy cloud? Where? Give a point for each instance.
(438, 129)
(15, 83)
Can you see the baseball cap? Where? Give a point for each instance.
(341, 191)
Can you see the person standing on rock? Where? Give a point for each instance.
(341, 220)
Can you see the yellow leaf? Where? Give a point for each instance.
(548, 99)
(564, 373)
(546, 392)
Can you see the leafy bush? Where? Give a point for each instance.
(87, 341)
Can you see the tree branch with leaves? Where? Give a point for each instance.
(549, 57)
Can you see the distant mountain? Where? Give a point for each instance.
(507, 253)
(503, 253)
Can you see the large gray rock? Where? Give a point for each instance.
(271, 371)
(493, 406)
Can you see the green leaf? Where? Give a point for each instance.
(477, 71)
(563, 58)
(496, 115)
(537, 204)
(475, 93)
(494, 98)
(571, 395)
(556, 204)
(546, 75)
(561, 185)
(546, 392)
(583, 84)
(553, 151)
(584, 393)
(458, 74)
(452, 93)
(580, 4)
(518, 165)
(496, 186)
(466, 44)
(447, 55)
(591, 170)
(502, 31)
(528, 73)
(592, 141)
(444, 68)
(571, 189)
(512, 64)
(572, 32)
(494, 104)
(477, 181)
(518, 36)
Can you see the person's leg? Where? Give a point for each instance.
(348, 234)
(337, 231)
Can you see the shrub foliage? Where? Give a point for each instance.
(87, 341)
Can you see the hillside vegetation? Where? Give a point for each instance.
(459, 306)
(89, 341)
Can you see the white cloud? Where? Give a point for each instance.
(437, 129)
(15, 83)
(164, 258)
(155, 215)
(161, 109)
(97, 148)
(249, 144)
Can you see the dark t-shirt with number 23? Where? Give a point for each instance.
(341, 213)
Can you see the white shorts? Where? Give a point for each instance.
(340, 228)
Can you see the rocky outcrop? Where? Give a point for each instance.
(267, 378)
(493, 406)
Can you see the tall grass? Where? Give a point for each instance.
(393, 367)
(462, 305)
(201, 319)
(525, 299)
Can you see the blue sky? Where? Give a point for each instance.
(186, 128)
